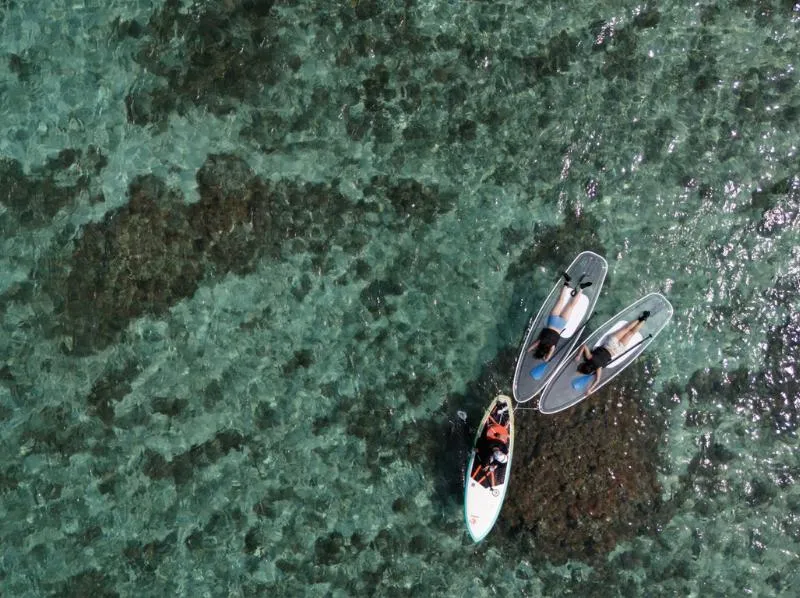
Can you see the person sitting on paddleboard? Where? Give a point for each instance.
(492, 448)
(545, 345)
(499, 456)
(608, 351)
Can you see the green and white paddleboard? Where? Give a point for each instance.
(486, 483)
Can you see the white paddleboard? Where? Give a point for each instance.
(485, 488)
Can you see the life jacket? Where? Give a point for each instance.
(497, 432)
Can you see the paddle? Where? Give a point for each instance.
(539, 370)
(579, 384)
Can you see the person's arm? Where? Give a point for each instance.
(597, 376)
(549, 355)
(533, 346)
(579, 354)
(583, 352)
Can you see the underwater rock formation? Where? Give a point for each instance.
(586, 479)
(90, 582)
(412, 200)
(139, 259)
(229, 51)
(33, 199)
(153, 252)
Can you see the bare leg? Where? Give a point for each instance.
(562, 301)
(566, 312)
(624, 334)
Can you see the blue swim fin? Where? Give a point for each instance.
(581, 382)
(539, 371)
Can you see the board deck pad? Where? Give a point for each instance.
(594, 268)
(560, 394)
(485, 488)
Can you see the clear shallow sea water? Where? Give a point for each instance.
(265, 432)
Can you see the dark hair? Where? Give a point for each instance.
(587, 367)
(542, 349)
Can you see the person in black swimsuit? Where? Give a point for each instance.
(491, 452)
(545, 345)
(615, 345)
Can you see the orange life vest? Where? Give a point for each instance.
(497, 432)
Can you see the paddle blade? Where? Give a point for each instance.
(581, 382)
(539, 371)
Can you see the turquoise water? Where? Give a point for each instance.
(256, 256)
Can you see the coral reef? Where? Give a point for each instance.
(553, 244)
(146, 256)
(139, 259)
(33, 199)
(586, 479)
(153, 252)
(230, 50)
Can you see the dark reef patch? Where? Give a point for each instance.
(169, 406)
(140, 259)
(254, 541)
(329, 550)
(33, 199)
(143, 258)
(586, 478)
(9, 478)
(554, 57)
(88, 536)
(220, 525)
(376, 294)
(621, 59)
(411, 200)
(701, 66)
(145, 558)
(87, 583)
(228, 52)
(554, 246)
(123, 28)
(647, 18)
(58, 429)
(110, 389)
(182, 466)
(153, 252)
(301, 359)
(20, 66)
